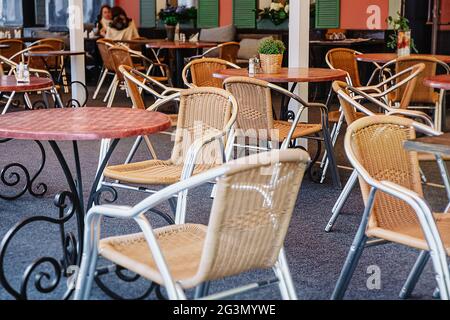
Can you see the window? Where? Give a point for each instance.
(10, 13)
(58, 8)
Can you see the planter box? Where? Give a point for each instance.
(266, 24)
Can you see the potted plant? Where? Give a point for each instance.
(170, 23)
(401, 38)
(271, 55)
(274, 17)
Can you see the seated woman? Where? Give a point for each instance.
(103, 20)
(121, 27)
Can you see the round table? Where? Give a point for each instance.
(10, 84)
(61, 77)
(178, 46)
(438, 82)
(74, 124)
(384, 58)
(294, 75)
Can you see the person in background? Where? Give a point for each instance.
(121, 27)
(103, 20)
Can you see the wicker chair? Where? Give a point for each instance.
(248, 223)
(201, 72)
(255, 119)
(205, 118)
(122, 55)
(108, 65)
(406, 79)
(422, 96)
(353, 111)
(227, 51)
(14, 47)
(395, 210)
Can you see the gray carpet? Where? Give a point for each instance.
(315, 257)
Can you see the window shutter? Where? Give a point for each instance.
(208, 13)
(244, 13)
(148, 13)
(327, 14)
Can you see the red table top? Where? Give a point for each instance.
(55, 53)
(165, 44)
(438, 82)
(386, 57)
(9, 84)
(287, 75)
(81, 124)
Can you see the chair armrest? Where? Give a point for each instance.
(413, 114)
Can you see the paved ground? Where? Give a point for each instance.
(315, 257)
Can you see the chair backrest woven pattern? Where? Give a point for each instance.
(202, 111)
(250, 215)
(103, 47)
(14, 47)
(344, 59)
(202, 72)
(255, 116)
(121, 57)
(378, 145)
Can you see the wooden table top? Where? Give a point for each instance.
(10, 84)
(439, 144)
(165, 44)
(86, 123)
(386, 57)
(54, 53)
(287, 75)
(438, 82)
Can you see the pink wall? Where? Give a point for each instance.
(225, 12)
(132, 9)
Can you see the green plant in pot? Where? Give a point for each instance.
(271, 55)
(401, 38)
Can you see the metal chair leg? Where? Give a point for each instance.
(112, 95)
(336, 211)
(414, 275)
(355, 252)
(202, 290)
(331, 158)
(110, 89)
(334, 136)
(100, 83)
(286, 283)
(8, 104)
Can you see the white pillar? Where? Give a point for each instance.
(299, 45)
(75, 25)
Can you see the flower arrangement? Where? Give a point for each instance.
(398, 40)
(171, 16)
(278, 12)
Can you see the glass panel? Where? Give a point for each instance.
(59, 9)
(10, 13)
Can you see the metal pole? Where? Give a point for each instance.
(76, 26)
(435, 32)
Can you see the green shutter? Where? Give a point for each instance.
(148, 13)
(327, 14)
(208, 13)
(244, 13)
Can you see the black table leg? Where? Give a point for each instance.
(69, 205)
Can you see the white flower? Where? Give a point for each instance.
(276, 6)
(286, 8)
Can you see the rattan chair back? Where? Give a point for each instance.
(121, 57)
(201, 72)
(42, 63)
(251, 213)
(377, 143)
(344, 59)
(15, 46)
(202, 111)
(255, 116)
(419, 93)
(103, 47)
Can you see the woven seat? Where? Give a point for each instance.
(301, 130)
(181, 245)
(150, 172)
